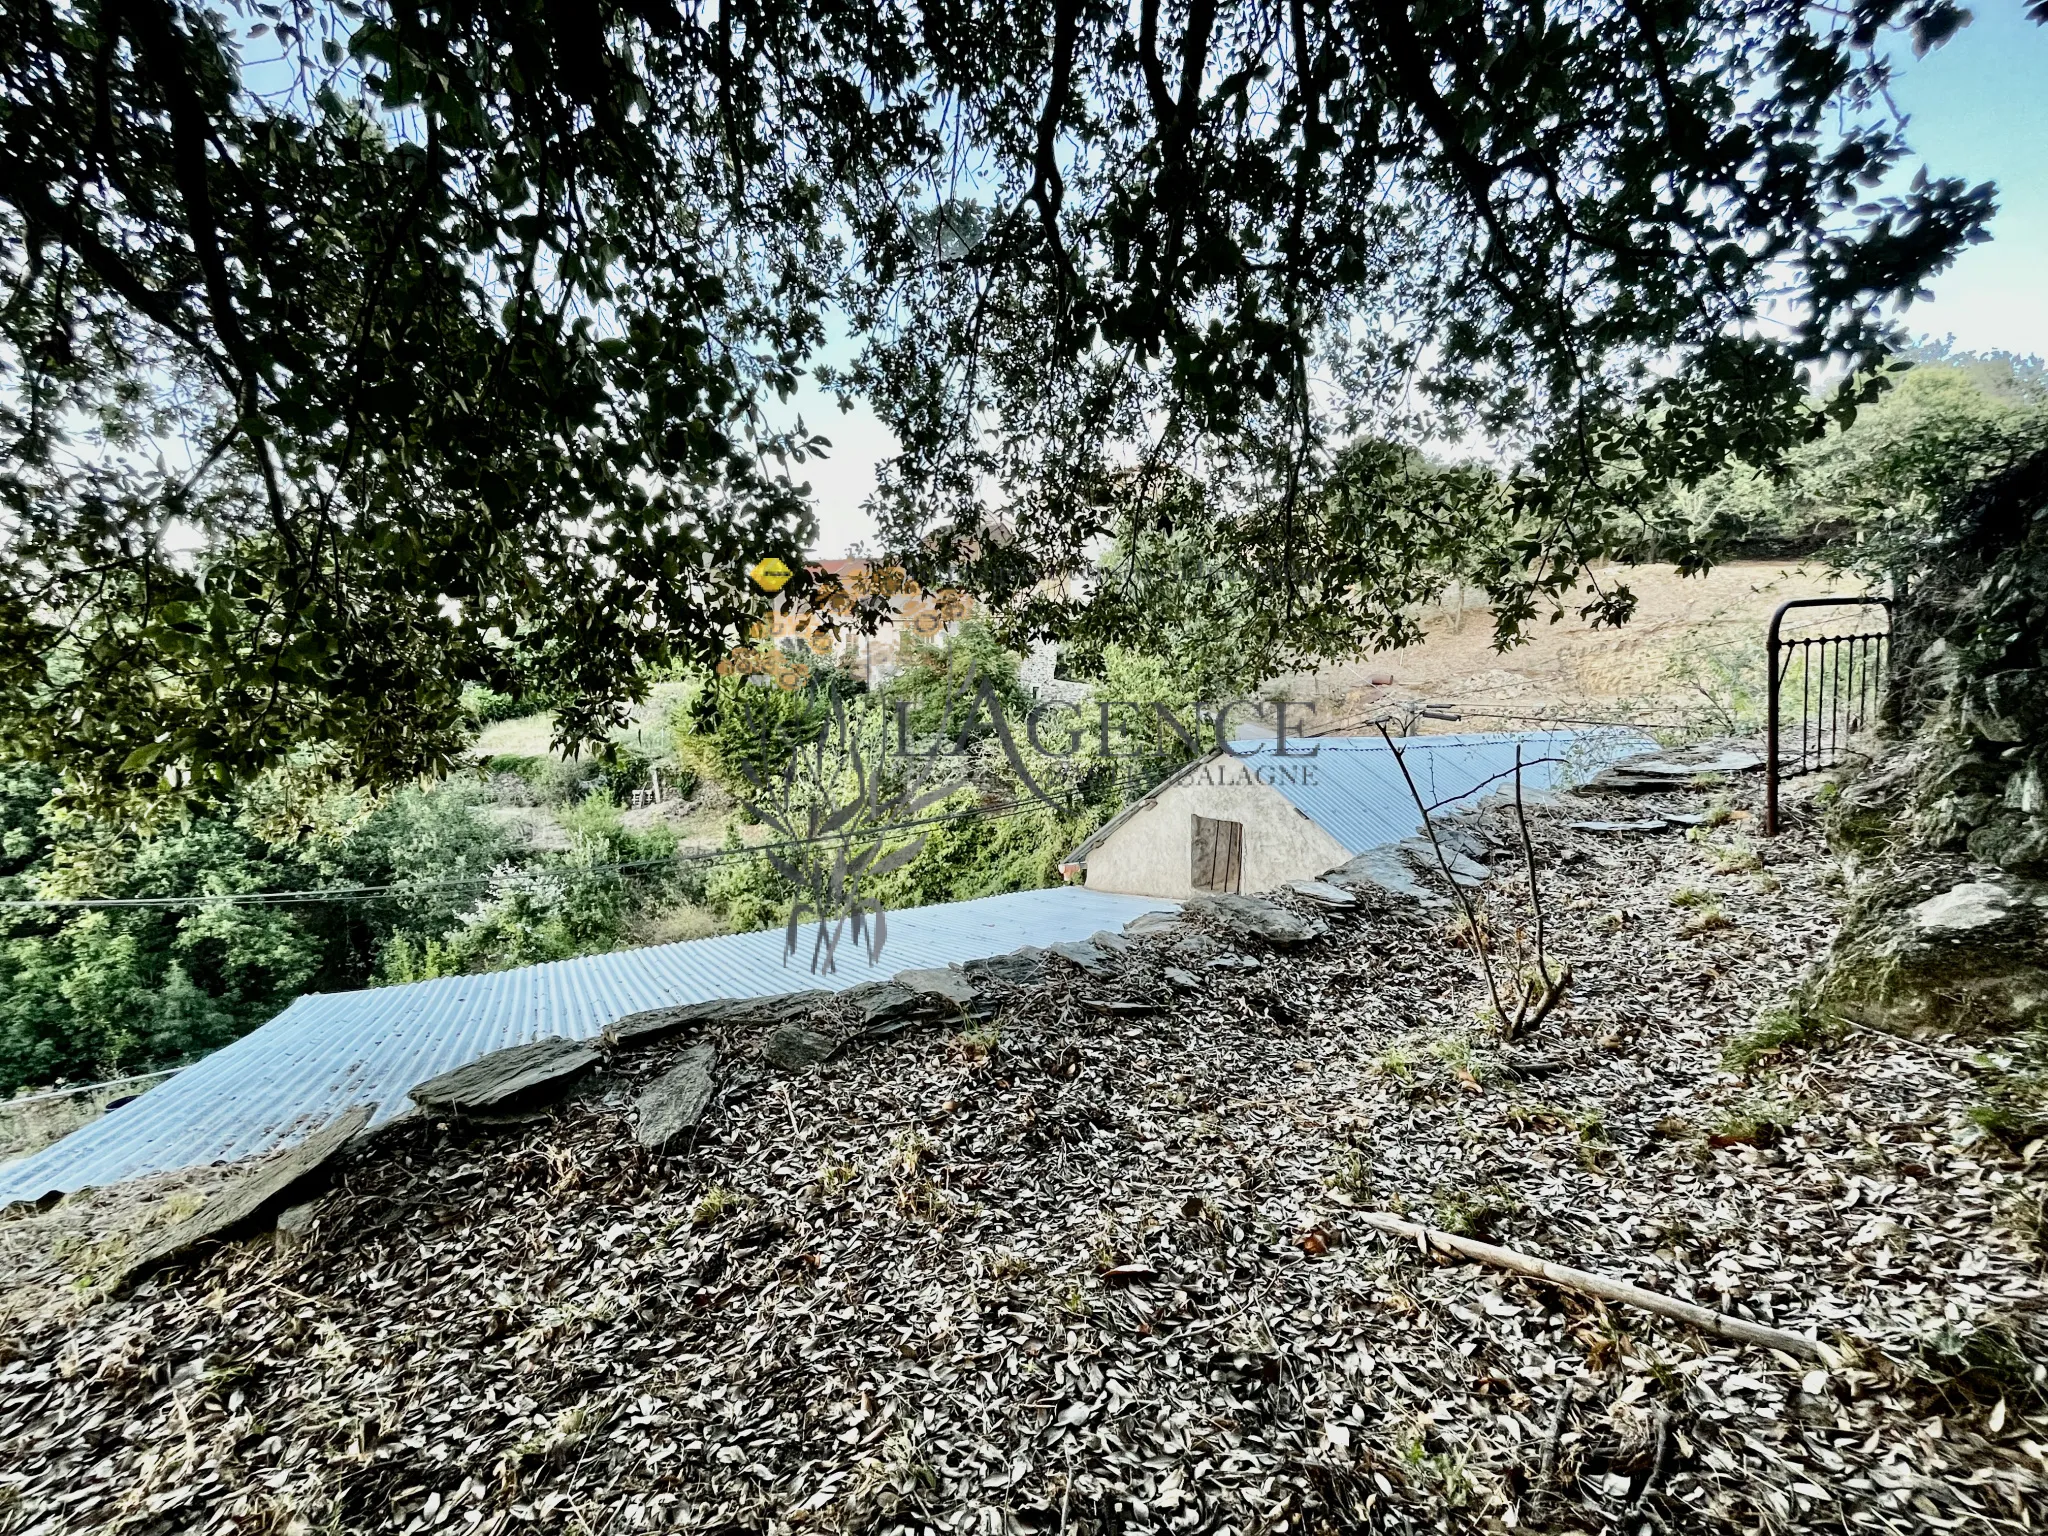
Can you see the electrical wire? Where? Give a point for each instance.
(405, 888)
(73, 1092)
(1126, 784)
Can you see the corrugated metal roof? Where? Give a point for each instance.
(1353, 789)
(1352, 786)
(330, 1050)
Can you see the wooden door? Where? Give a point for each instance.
(1216, 855)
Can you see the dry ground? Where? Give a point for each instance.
(1687, 631)
(1074, 1271)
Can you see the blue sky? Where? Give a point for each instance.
(1976, 108)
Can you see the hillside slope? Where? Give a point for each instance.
(1081, 1268)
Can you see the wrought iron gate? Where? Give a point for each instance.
(1840, 682)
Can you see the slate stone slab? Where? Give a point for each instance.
(1230, 960)
(1385, 869)
(940, 984)
(1465, 870)
(1153, 922)
(873, 1001)
(1079, 952)
(670, 1107)
(885, 1007)
(517, 1075)
(1112, 943)
(1323, 894)
(1019, 968)
(1457, 839)
(1183, 981)
(793, 1048)
(239, 1204)
(1249, 917)
(1659, 824)
(783, 1008)
(295, 1224)
(658, 1023)
(1687, 765)
(1672, 770)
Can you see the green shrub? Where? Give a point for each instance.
(745, 890)
(486, 706)
(939, 682)
(744, 735)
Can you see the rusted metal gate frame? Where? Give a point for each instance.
(1872, 649)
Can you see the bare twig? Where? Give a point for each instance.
(1720, 1324)
(1552, 991)
(1642, 1498)
(1546, 1469)
(1457, 891)
(1529, 864)
(1552, 995)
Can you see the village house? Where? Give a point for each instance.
(1267, 812)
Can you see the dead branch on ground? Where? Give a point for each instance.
(1720, 1324)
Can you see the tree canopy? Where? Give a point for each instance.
(350, 354)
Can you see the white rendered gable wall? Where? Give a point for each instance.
(1149, 854)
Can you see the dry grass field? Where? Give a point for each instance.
(1694, 647)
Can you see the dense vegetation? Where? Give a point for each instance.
(97, 991)
(465, 887)
(355, 354)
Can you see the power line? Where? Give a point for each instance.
(1126, 783)
(404, 888)
(73, 1092)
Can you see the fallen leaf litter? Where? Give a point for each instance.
(1071, 1267)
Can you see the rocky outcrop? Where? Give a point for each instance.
(515, 1078)
(1964, 950)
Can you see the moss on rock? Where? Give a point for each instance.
(1942, 946)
